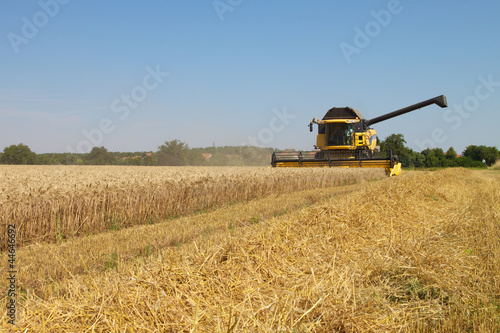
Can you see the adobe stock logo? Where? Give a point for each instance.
(372, 29)
(30, 28)
(277, 124)
(456, 114)
(223, 6)
(121, 107)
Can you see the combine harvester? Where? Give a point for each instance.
(345, 139)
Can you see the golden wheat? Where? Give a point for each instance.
(54, 203)
(418, 253)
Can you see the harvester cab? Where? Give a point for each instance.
(345, 139)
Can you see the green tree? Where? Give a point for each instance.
(67, 158)
(100, 156)
(451, 157)
(491, 155)
(173, 152)
(150, 160)
(195, 158)
(396, 143)
(451, 154)
(434, 158)
(20, 154)
(468, 162)
(133, 161)
(473, 152)
(416, 159)
(482, 153)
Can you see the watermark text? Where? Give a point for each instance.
(31, 26)
(460, 111)
(372, 29)
(266, 135)
(121, 107)
(223, 6)
(11, 291)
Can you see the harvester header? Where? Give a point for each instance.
(345, 139)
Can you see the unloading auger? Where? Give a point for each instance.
(345, 139)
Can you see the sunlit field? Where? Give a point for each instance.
(54, 203)
(254, 250)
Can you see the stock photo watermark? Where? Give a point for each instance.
(372, 29)
(266, 135)
(121, 107)
(460, 111)
(223, 6)
(11, 291)
(31, 26)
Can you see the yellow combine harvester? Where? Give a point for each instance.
(345, 139)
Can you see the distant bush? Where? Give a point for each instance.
(483, 153)
(466, 162)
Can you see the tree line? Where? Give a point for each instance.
(472, 157)
(178, 153)
(173, 153)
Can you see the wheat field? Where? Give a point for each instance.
(415, 253)
(55, 203)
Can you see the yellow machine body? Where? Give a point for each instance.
(348, 139)
(345, 139)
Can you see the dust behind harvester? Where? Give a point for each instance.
(345, 139)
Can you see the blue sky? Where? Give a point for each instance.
(129, 75)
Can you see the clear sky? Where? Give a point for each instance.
(129, 75)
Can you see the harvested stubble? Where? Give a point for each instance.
(54, 203)
(43, 266)
(415, 253)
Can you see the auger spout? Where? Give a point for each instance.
(439, 100)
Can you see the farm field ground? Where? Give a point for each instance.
(311, 250)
